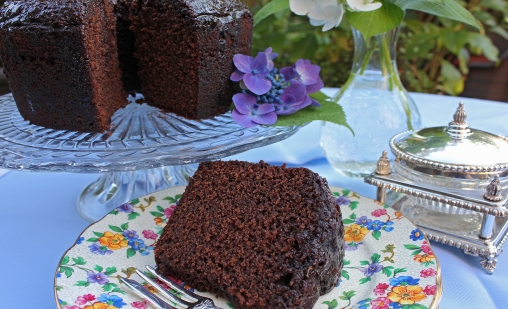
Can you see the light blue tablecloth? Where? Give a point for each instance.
(38, 220)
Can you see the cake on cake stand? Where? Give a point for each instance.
(145, 150)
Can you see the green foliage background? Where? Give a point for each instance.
(433, 52)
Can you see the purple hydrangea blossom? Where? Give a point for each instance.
(294, 98)
(252, 71)
(372, 269)
(130, 235)
(248, 113)
(306, 73)
(96, 249)
(269, 57)
(127, 208)
(100, 277)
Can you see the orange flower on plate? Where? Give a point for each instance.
(100, 306)
(424, 258)
(355, 233)
(406, 295)
(113, 241)
(158, 221)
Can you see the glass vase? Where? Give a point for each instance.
(376, 104)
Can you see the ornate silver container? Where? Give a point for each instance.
(452, 179)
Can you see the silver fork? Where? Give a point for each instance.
(191, 301)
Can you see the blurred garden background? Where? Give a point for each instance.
(435, 55)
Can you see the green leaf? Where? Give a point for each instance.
(329, 111)
(375, 258)
(452, 79)
(159, 208)
(346, 262)
(347, 221)
(108, 286)
(66, 270)
(125, 226)
(58, 288)
(346, 192)
(449, 9)
(411, 247)
(387, 271)
(133, 215)
(169, 199)
(117, 290)
(65, 260)
(353, 205)
(82, 283)
(371, 23)
(304, 48)
(364, 263)
(115, 229)
(483, 44)
(416, 252)
(417, 306)
(352, 216)
(345, 274)
(113, 212)
(157, 214)
(135, 201)
(269, 9)
(98, 234)
(79, 261)
(93, 239)
(98, 268)
(131, 252)
(376, 234)
(349, 294)
(399, 270)
(455, 40)
(365, 280)
(110, 271)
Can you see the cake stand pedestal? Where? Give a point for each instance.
(144, 151)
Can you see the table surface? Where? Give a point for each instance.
(39, 222)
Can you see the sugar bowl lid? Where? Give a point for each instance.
(455, 148)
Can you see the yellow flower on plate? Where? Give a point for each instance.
(100, 306)
(424, 258)
(406, 295)
(355, 233)
(113, 241)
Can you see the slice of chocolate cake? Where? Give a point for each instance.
(185, 50)
(261, 236)
(61, 61)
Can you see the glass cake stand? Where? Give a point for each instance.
(146, 150)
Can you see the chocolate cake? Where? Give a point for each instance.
(61, 61)
(185, 50)
(261, 236)
(125, 42)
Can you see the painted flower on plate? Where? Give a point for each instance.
(430, 290)
(381, 288)
(426, 248)
(71, 307)
(416, 235)
(96, 249)
(149, 234)
(404, 280)
(388, 226)
(139, 305)
(169, 211)
(375, 225)
(113, 241)
(130, 235)
(406, 295)
(112, 300)
(379, 212)
(343, 201)
(355, 233)
(363, 220)
(100, 278)
(81, 300)
(352, 246)
(424, 258)
(380, 303)
(127, 208)
(429, 272)
(371, 269)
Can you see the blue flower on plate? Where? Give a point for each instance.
(80, 240)
(363, 304)
(416, 235)
(404, 280)
(395, 306)
(111, 300)
(96, 249)
(375, 225)
(343, 201)
(130, 235)
(363, 220)
(388, 226)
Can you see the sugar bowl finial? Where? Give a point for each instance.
(458, 129)
(494, 190)
(383, 165)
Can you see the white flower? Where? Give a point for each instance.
(363, 5)
(301, 7)
(326, 13)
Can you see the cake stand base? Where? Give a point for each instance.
(114, 189)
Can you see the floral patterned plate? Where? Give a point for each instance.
(388, 262)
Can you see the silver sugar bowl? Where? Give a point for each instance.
(453, 182)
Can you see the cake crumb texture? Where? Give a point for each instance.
(261, 236)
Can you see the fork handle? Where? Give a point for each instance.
(207, 304)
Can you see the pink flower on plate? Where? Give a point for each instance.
(426, 249)
(169, 211)
(381, 288)
(429, 272)
(71, 307)
(84, 299)
(380, 303)
(139, 305)
(379, 212)
(149, 234)
(430, 290)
